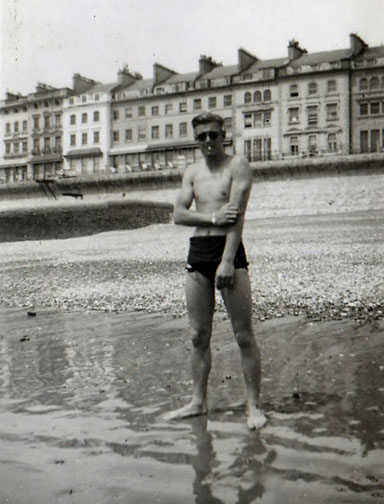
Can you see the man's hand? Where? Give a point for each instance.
(225, 275)
(226, 215)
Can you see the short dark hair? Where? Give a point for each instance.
(206, 118)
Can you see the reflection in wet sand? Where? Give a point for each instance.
(82, 401)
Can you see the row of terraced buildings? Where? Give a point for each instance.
(302, 105)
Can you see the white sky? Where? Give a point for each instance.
(50, 40)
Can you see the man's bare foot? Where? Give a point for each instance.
(256, 418)
(186, 411)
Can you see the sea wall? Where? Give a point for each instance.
(80, 187)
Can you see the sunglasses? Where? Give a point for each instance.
(213, 135)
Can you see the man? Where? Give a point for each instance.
(220, 186)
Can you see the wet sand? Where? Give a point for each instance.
(84, 383)
(82, 398)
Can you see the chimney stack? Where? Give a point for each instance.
(294, 50)
(357, 44)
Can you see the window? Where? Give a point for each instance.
(47, 122)
(183, 129)
(36, 145)
(141, 110)
(375, 107)
(71, 101)
(267, 118)
(16, 127)
(168, 108)
(115, 115)
(168, 131)
(72, 140)
(375, 140)
(257, 119)
(25, 146)
(257, 98)
(312, 88)
(58, 120)
(197, 104)
(142, 134)
(58, 142)
(96, 116)
(332, 142)
(183, 107)
(16, 148)
(228, 124)
(312, 143)
(294, 91)
(97, 97)
(293, 115)
(84, 118)
(7, 148)
(72, 119)
(47, 143)
(363, 141)
(25, 126)
(36, 123)
(84, 99)
(212, 102)
(374, 83)
(8, 128)
(294, 145)
(247, 120)
(155, 110)
(227, 100)
(115, 136)
(331, 111)
(84, 138)
(312, 115)
(267, 95)
(363, 84)
(128, 135)
(247, 98)
(331, 86)
(96, 137)
(363, 108)
(128, 112)
(155, 132)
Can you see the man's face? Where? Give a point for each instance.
(210, 138)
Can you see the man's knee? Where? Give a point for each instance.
(244, 338)
(200, 338)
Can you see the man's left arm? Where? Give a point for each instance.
(240, 191)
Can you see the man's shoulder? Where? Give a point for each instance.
(239, 165)
(193, 168)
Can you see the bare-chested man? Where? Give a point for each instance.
(220, 186)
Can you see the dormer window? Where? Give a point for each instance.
(294, 91)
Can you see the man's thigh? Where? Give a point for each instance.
(238, 301)
(200, 298)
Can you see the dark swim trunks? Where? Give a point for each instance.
(205, 253)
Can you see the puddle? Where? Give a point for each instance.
(81, 414)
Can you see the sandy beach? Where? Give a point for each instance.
(94, 349)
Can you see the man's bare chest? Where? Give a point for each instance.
(210, 187)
